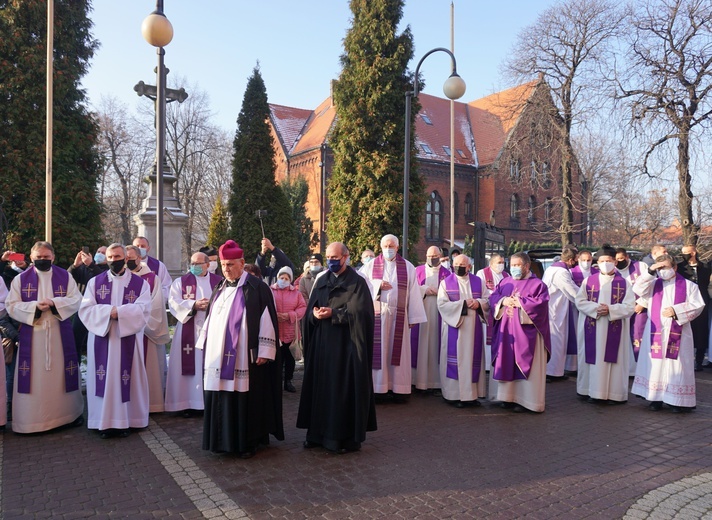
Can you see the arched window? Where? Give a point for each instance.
(547, 209)
(531, 203)
(468, 206)
(513, 206)
(515, 167)
(433, 217)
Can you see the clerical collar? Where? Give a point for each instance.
(231, 284)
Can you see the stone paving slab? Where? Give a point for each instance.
(427, 460)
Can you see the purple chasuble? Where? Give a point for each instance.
(189, 287)
(615, 328)
(514, 344)
(29, 289)
(402, 274)
(102, 292)
(420, 274)
(153, 264)
(453, 293)
(656, 325)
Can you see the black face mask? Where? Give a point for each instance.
(42, 265)
(131, 264)
(433, 262)
(117, 266)
(687, 257)
(622, 264)
(461, 270)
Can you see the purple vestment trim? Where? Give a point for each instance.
(615, 328)
(420, 274)
(102, 291)
(153, 264)
(189, 286)
(29, 289)
(232, 334)
(656, 325)
(453, 292)
(489, 283)
(402, 274)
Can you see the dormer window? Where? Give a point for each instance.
(426, 119)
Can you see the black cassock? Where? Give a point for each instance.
(241, 421)
(337, 406)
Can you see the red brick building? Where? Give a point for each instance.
(507, 148)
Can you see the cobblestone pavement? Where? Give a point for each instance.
(427, 460)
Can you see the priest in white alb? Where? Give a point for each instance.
(188, 302)
(46, 391)
(605, 303)
(491, 277)
(398, 306)
(115, 309)
(463, 304)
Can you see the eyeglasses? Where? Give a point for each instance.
(198, 263)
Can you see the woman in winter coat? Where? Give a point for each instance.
(290, 309)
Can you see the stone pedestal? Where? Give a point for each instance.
(174, 220)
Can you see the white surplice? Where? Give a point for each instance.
(186, 392)
(426, 375)
(671, 381)
(108, 411)
(47, 405)
(628, 275)
(158, 335)
(395, 377)
(462, 388)
(562, 292)
(604, 380)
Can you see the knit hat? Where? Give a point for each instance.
(230, 251)
(288, 270)
(317, 256)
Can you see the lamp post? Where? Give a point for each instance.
(158, 32)
(453, 88)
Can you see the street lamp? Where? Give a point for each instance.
(453, 88)
(158, 32)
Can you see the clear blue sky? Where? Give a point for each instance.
(217, 43)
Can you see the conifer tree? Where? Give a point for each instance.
(297, 192)
(366, 187)
(76, 209)
(219, 228)
(253, 183)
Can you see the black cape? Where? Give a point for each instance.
(240, 421)
(337, 406)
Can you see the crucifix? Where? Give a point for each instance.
(103, 291)
(29, 289)
(101, 372)
(60, 292)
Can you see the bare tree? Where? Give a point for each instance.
(569, 46)
(666, 83)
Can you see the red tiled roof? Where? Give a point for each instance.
(437, 135)
(288, 123)
(317, 128)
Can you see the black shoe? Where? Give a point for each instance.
(459, 404)
(506, 405)
(698, 367)
(400, 398)
(682, 409)
(655, 406)
(247, 454)
(437, 392)
(123, 433)
(553, 379)
(106, 434)
(289, 387)
(309, 445)
(77, 422)
(518, 408)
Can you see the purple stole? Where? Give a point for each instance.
(656, 326)
(151, 279)
(402, 274)
(232, 334)
(153, 264)
(571, 346)
(514, 344)
(577, 273)
(637, 321)
(29, 289)
(187, 338)
(102, 291)
(489, 283)
(453, 292)
(420, 274)
(615, 328)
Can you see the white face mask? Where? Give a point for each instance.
(606, 267)
(213, 267)
(667, 273)
(585, 264)
(498, 268)
(389, 254)
(282, 283)
(445, 264)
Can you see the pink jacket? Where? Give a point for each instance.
(291, 301)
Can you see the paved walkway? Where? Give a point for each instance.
(427, 461)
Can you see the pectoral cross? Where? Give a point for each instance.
(126, 377)
(71, 367)
(188, 295)
(60, 292)
(131, 296)
(103, 291)
(24, 368)
(188, 349)
(101, 372)
(618, 293)
(29, 290)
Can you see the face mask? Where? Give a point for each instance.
(389, 254)
(42, 265)
(213, 267)
(498, 268)
(314, 269)
(516, 273)
(606, 267)
(282, 284)
(196, 270)
(131, 264)
(117, 266)
(143, 252)
(99, 258)
(585, 264)
(461, 270)
(18, 269)
(666, 274)
(433, 262)
(334, 265)
(366, 259)
(687, 257)
(445, 264)
(622, 264)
